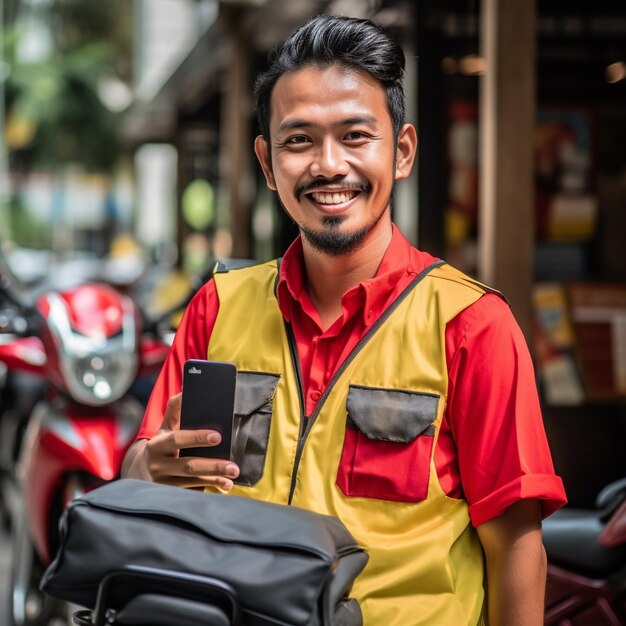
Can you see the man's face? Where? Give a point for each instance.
(332, 158)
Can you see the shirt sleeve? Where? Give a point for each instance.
(494, 414)
(191, 342)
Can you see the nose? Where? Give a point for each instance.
(329, 160)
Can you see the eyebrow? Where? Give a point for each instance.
(301, 123)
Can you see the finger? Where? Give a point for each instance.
(171, 419)
(167, 443)
(194, 471)
(196, 438)
(221, 482)
(199, 466)
(162, 445)
(162, 467)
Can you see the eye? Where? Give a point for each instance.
(297, 140)
(355, 135)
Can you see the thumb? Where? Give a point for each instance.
(171, 419)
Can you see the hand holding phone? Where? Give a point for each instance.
(208, 402)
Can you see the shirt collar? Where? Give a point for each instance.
(290, 286)
(370, 296)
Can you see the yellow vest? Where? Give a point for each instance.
(425, 561)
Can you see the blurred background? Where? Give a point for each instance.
(126, 148)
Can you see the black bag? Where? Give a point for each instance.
(127, 545)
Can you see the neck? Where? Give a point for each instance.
(330, 277)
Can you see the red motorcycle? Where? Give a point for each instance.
(587, 562)
(91, 346)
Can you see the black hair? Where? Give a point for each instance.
(336, 40)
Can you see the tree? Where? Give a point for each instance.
(56, 111)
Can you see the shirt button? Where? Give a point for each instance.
(316, 395)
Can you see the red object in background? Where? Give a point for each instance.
(586, 549)
(93, 310)
(574, 600)
(88, 347)
(463, 159)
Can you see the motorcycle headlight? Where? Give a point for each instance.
(102, 378)
(96, 368)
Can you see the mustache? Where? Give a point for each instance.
(318, 183)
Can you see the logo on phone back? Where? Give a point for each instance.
(194, 370)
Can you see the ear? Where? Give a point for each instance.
(406, 150)
(262, 151)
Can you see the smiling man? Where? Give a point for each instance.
(331, 156)
(376, 383)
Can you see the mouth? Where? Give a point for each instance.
(332, 195)
(333, 198)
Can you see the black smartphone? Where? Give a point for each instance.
(208, 402)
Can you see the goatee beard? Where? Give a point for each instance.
(331, 241)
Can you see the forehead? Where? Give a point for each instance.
(326, 94)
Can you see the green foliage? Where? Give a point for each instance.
(77, 23)
(58, 98)
(21, 226)
(54, 112)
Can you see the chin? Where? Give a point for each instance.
(333, 241)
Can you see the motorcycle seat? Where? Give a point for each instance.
(611, 497)
(570, 537)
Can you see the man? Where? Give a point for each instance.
(376, 383)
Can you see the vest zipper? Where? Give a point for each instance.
(307, 423)
(295, 360)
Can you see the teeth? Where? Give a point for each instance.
(333, 198)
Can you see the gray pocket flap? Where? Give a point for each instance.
(253, 390)
(391, 414)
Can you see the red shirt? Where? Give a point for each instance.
(492, 449)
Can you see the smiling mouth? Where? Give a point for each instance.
(333, 198)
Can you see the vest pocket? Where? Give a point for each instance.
(388, 444)
(251, 423)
